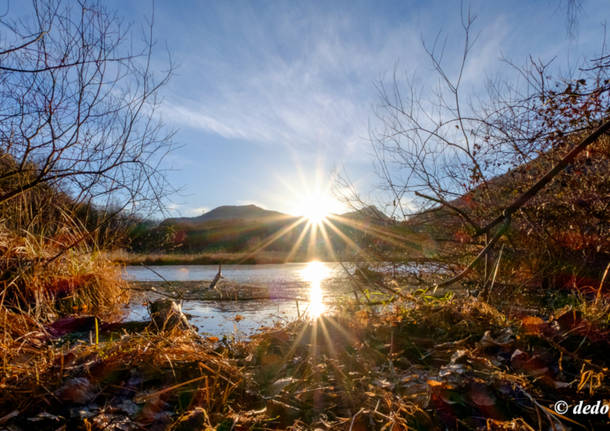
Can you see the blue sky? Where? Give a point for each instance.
(271, 99)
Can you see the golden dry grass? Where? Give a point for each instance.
(160, 372)
(41, 281)
(44, 278)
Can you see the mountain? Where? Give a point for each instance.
(242, 228)
(369, 213)
(229, 212)
(252, 212)
(228, 228)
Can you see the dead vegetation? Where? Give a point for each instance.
(46, 278)
(418, 364)
(445, 365)
(132, 382)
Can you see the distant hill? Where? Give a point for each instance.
(242, 228)
(369, 213)
(229, 212)
(251, 212)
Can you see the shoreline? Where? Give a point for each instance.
(267, 258)
(213, 259)
(192, 290)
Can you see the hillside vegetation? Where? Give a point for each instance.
(252, 233)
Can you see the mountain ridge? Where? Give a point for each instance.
(235, 228)
(251, 212)
(228, 212)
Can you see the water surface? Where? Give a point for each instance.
(312, 282)
(283, 273)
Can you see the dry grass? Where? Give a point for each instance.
(39, 284)
(41, 280)
(420, 364)
(153, 374)
(457, 364)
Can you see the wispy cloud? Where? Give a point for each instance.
(317, 96)
(294, 81)
(183, 210)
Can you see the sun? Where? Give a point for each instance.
(309, 194)
(316, 214)
(316, 208)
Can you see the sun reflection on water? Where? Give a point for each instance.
(314, 273)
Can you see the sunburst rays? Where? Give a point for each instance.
(331, 230)
(323, 333)
(334, 238)
(317, 235)
(320, 235)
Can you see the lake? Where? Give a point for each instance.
(314, 282)
(283, 273)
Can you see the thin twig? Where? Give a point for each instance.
(493, 280)
(601, 284)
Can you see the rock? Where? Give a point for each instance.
(166, 315)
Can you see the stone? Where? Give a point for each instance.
(167, 315)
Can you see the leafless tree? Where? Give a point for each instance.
(78, 106)
(440, 150)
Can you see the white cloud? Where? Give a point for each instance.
(182, 210)
(318, 98)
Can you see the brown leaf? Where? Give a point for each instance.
(482, 396)
(78, 390)
(532, 324)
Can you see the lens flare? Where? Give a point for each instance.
(314, 273)
(316, 214)
(315, 207)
